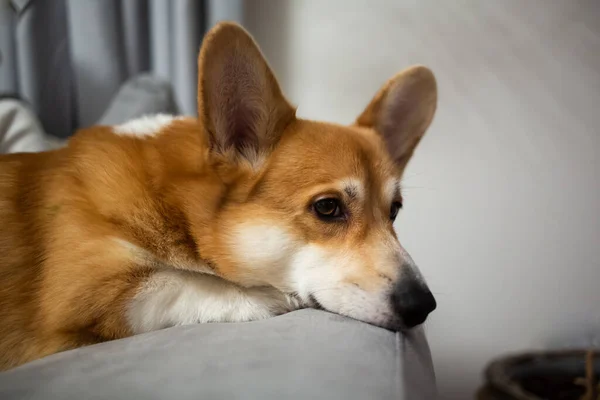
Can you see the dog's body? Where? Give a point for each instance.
(244, 213)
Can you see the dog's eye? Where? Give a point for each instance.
(394, 210)
(328, 208)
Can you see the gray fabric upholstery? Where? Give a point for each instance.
(141, 95)
(306, 354)
(68, 58)
(21, 131)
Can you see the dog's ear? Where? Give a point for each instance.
(239, 100)
(402, 110)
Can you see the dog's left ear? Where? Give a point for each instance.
(401, 111)
(239, 100)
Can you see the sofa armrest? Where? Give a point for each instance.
(306, 354)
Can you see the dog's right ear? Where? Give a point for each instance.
(401, 112)
(239, 100)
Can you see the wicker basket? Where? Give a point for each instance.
(564, 375)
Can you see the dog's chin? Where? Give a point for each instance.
(391, 324)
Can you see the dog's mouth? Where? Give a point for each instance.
(393, 324)
(314, 303)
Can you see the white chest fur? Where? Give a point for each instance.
(174, 297)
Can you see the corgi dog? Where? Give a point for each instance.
(240, 214)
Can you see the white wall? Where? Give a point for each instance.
(502, 198)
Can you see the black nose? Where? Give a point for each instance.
(412, 301)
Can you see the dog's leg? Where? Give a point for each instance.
(173, 297)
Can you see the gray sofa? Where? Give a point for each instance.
(306, 354)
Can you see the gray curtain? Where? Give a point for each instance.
(68, 58)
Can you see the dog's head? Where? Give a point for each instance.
(310, 206)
